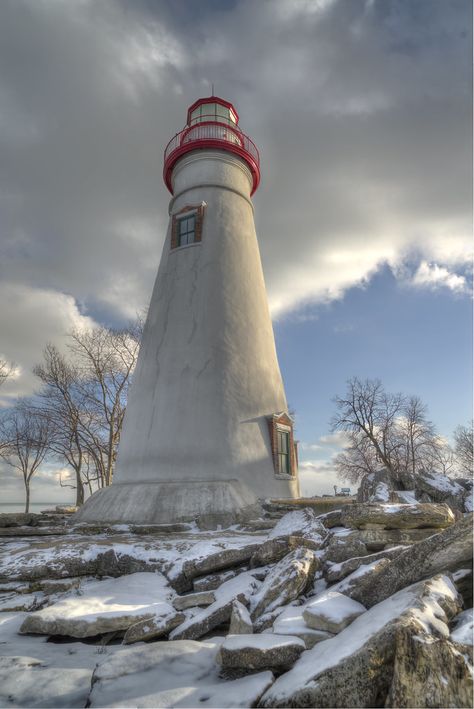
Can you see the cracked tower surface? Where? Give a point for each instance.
(207, 431)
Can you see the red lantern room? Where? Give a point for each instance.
(212, 123)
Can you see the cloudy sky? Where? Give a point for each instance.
(361, 110)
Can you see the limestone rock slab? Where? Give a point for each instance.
(239, 588)
(181, 558)
(285, 582)
(202, 598)
(240, 620)
(22, 601)
(332, 612)
(376, 487)
(291, 622)
(29, 682)
(37, 673)
(299, 527)
(440, 488)
(181, 673)
(336, 671)
(397, 516)
(336, 572)
(376, 538)
(162, 623)
(344, 545)
(212, 581)
(103, 606)
(447, 550)
(18, 519)
(225, 558)
(429, 671)
(270, 551)
(259, 652)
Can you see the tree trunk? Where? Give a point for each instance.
(27, 500)
(79, 489)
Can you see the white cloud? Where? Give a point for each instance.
(338, 439)
(302, 446)
(29, 319)
(318, 477)
(431, 275)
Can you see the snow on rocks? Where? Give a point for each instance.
(343, 545)
(335, 671)
(468, 485)
(162, 623)
(180, 558)
(202, 598)
(440, 488)
(463, 628)
(332, 612)
(22, 601)
(406, 496)
(291, 622)
(38, 673)
(240, 620)
(447, 550)
(429, 671)
(364, 575)
(285, 582)
(271, 551)
(181, 673)
(212, 581)
(397, 516)
(376, 487)
(29, 682)
(296, 528)
(104, 606)
(239, 588)
(259, 652)
(212, 558)
(301, 523)
(336, 572)
(427, 486)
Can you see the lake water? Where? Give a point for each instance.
(20, 506)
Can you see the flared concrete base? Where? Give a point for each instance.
(208, 503)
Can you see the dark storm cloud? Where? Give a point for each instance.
(361, 110)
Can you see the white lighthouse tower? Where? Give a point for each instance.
(207, 431)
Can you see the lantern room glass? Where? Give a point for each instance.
(213, 112)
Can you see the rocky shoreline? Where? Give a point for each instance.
(367, 605)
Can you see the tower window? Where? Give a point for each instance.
(186, 230)
(283, 446)
(186, 226)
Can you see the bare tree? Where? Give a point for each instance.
(61, 402)
(6, 370)
(83, 396)
(384, 430)
(421, 446)
(463, 449)
(106, 359)
(367, 414)
(28, 437)
(357, 459)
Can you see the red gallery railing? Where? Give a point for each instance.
(211, 134)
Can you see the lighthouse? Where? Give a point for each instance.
(207, 432)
